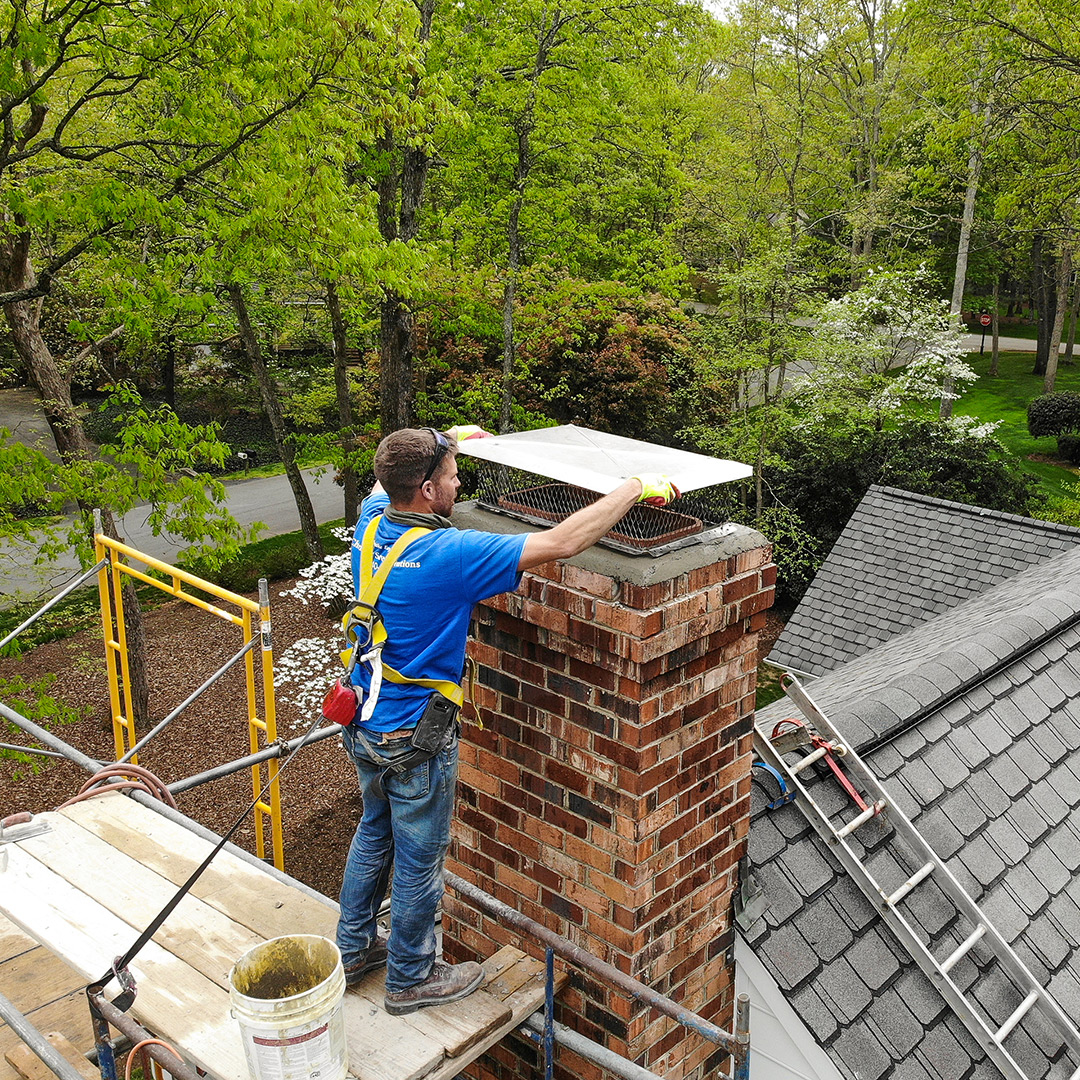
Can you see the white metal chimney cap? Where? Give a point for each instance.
(600, 462)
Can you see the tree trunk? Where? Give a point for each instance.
(345, 417)
(1040, 286)
(995, 328)
(268, 391)
(168, 370)
(1072, 322)
(513, 238)
(963, 247)
(395, 363)
(54, 388)
(1061, 304)
(400, 221)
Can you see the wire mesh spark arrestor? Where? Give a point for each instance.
(543, 476)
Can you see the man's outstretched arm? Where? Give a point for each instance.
(581, 530)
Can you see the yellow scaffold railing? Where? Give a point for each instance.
(113, 554)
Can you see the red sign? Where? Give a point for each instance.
(984, 318)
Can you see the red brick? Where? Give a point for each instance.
(600, 585)
(743, 585)
(649, 596)
(548, 617)
(550, 571)
(627, 620)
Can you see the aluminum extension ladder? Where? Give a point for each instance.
(887, 901)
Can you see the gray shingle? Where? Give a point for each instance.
(964, 812)
(946, 765)
(781, 897)
(921, 782)
(896, 1024)
(820, 923)
(989, 731)
(905, 550)
(873, 960)
(851, 904)
(843, 989)
(941, 1050)
(1009, 776)
(1047, 867)
(862, 1054)
(816, 1014)
(940, 833)
(1007, 841)
(982, 861)
(803, 864)
(788, 957)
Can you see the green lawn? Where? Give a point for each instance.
(1005, 398)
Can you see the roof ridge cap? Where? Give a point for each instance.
(977, 511)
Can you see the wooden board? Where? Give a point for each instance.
(455, 1027)
(523, 980)
(69, 1015)
(240, 890)
(35, 978)
(108, 866)
(383, 1048)
(197, 933)
(174, 1000)
(30, 1067)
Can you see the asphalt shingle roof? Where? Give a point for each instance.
(902, 559)
(972, 723)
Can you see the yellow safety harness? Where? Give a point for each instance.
(365, 632)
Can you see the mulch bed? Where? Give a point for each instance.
(320, 801)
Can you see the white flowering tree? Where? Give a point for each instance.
(881, 348)
(304, 671)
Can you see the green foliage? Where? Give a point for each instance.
(608, 358)
(1069, 448)
(1054, 414)
(825, 472)
(33, 700)
(152, 460)
(275, 558)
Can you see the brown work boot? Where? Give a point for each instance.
(447, 982)
(374, 958)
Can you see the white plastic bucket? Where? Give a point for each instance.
(287, 994)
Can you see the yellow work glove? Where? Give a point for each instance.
(656, 489)
(461, 432)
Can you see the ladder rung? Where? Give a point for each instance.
(1021, 1012)
(809, 760)
(865, 816)
(919, 876)
(965, 947)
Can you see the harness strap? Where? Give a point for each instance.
(371, 584)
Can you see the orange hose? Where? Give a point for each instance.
(138, 1047)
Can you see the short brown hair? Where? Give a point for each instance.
(403, 458)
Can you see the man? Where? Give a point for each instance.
(425, 604)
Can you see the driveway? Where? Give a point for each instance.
(267, 499)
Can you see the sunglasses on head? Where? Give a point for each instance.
(442, 447)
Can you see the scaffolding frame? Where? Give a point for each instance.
(114, 561)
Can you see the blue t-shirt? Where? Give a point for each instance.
(426, 604)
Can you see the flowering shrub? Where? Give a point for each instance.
(304, 671)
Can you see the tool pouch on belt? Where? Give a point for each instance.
(433, 731)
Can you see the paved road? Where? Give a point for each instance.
(267, 499)
(971, 341)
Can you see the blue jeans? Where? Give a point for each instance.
(408, 831)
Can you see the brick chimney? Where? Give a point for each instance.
(608, 794)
